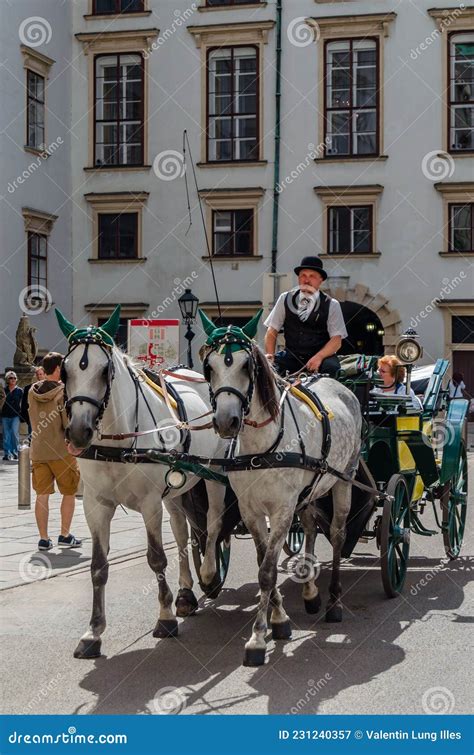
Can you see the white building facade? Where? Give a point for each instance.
(35, 148)
(342, 128)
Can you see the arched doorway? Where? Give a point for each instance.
(365, 331)
(378, 306)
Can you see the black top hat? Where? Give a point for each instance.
(311, 263)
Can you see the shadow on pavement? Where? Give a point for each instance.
(328, 658)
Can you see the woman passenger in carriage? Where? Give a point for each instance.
(392, 372)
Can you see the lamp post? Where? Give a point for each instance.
(188, 304)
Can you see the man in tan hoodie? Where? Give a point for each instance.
(50, 458)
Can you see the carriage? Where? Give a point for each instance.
(412, 458)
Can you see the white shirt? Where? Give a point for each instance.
(455, 391)
(336, 325)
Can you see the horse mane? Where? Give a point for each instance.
(265, 383)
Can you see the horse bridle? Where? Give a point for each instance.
(226, 342)
(109, 371)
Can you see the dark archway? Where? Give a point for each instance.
(364, 330)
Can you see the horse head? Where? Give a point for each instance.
(234, 367)
(87, 373)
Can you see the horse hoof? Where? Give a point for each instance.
(333, 614)
(212, 589)
(254, 656)
(88, 649)
(281, 631)
(186, 603)
(312, 605)
(166, 628)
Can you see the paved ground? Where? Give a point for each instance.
(409, 655)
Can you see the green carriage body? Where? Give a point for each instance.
(416, 457)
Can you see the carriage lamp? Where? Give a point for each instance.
(408, 349)
(188, 304)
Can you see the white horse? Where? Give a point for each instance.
(235, 366)
(104, 388)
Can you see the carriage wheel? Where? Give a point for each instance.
(454, 507)
(294, 539)
(222, 561)
(395, 536)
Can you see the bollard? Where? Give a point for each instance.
(24, 488)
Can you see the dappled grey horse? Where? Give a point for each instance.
(105, 390)
(251, 404)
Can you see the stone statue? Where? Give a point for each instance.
(26, 344)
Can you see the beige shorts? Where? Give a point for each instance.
(64, 471)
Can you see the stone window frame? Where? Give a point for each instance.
(206, 37)
(446, 22)
(232, 199)
(332, 28)
(41, 224)
(249, 5)
(350, 196)
(450, 309)
(133, 14)
(40, 64)
(137, 41)
(461, 192)
(117, 202)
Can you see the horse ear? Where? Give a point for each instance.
(66, 327)
(207, 323)
(250, 329)
(112, 324)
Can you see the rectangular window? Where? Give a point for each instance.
(232, 232)
(461, 92)
(37, 260)
(461, 227)
(232, 101)
(101, 7)
(119, 90)
(118, 235)
(35, 110)
(350, 230)
(462, 329)
(351, 97)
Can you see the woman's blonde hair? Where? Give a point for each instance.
(397, 370)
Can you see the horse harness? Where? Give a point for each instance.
(183, 460)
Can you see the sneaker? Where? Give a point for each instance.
(15, 457)
(5, 458)
(69, 542)
(45, 545)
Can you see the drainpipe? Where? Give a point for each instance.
(276, 176)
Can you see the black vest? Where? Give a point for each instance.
(303, 339)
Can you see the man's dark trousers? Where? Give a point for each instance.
(289, 363)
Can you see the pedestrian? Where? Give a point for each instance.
(25, 417)
(50, 459)
(11, 413)
(456, 386)
(312, 323)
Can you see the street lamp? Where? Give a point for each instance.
(188, 304)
